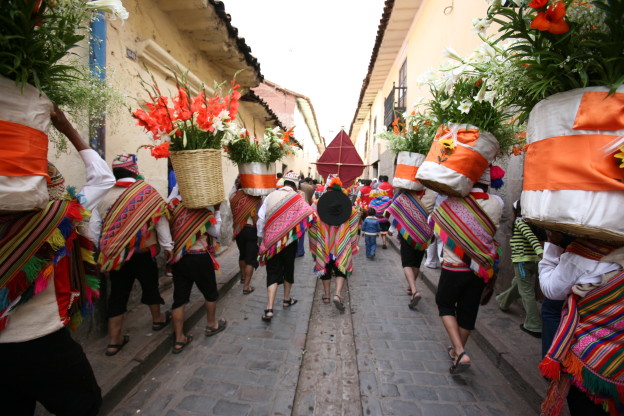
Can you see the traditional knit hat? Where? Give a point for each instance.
(127, 161)
(334, 207)
(292, 176)
(56, 186)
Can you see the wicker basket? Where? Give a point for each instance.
(199, 176)
(582, 191)
(466, 164)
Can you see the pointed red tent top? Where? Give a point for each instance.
(341, 158)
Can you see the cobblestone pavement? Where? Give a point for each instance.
(309, 357)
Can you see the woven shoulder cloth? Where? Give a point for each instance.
(593, 250)
(467, 229)
(287, 220)
(129, 223)
(187, 226)
(244, 207)
(380, 204)
(411, 219)
(334, 242)
(588, 349)
(43, 245)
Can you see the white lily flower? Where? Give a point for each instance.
(451, 54)
(223, 115)
(444, 104)
(480, 26)
(480, 97)
(113, 7)
(489, 96)
(217, 124)
(465, 106)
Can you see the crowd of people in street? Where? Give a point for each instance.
(130, 222)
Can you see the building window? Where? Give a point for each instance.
(395, 105)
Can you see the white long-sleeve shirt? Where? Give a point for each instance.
(559, 271)
(39, 316)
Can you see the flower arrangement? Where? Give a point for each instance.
(559, 45)
(466, 91)
(37, 39)
(273, 146)
(182, 122)
(412, 132)
(37, 35)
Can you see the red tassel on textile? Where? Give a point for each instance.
(550, 368)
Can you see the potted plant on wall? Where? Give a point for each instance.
(36, 69)
(567, 57)
(191, 130)
(256, 158)
(410, 138)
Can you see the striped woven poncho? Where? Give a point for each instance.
(39, 246)
(288, 217)
(334, 242)
(243, 208)
(588, 349)
(187, 226)
(467, 229)
(380, 204)
(410, 219)
(128, 224)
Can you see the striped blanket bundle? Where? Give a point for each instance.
(588, 349)
(243, 207)
(411, 219)
(334, 242)
(380, 204)
(465, 228)
(129, 223)
(38, 246)
(187, 226)
(286, 222)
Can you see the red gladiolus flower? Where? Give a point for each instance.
(552, 19)
(161, 151)
(538, 4)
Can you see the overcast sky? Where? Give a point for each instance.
(320, 49)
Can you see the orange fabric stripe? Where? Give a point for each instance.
(600, 111)
(463, 160)
(407, 172)
(23, 151)
(251, 181)
(572, 163)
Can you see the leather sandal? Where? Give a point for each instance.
(266, 317)
(116, 347)
(338, 303)
(288, 303)
(157, 326)
(178, 346)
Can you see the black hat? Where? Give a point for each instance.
(334, 207)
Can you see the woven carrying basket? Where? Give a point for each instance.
(199, 176)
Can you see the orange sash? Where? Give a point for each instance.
(572, 163)
(248, 180)
(407, 172)
(24, 151)
(599, 111)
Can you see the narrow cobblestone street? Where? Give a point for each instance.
(378, 358)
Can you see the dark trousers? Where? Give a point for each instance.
(142, 267)
(281, 267)
(52, 370)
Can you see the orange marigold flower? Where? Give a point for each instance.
(552, 19)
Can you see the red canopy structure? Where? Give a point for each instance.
(342, 159)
